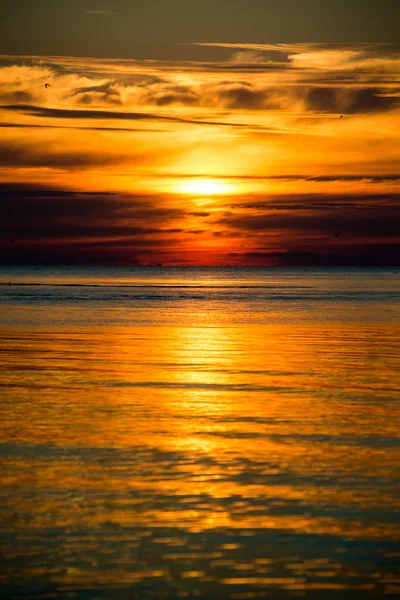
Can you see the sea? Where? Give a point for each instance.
(199, 433)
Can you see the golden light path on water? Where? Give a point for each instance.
(214, 456)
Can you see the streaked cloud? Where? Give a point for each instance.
(97, 11)
(258, 157)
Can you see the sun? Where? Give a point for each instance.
(204, 187)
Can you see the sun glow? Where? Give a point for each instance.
(204, 187)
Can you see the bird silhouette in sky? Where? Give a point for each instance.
(46, 85)
(13, 240)
(337, 234)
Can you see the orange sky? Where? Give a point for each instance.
(257, 159)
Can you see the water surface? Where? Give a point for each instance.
(199, 433)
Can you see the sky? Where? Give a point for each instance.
(200, 133)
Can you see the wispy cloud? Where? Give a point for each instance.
(309, 80)
(97, 11)
(108, 115)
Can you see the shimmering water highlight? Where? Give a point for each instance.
(199, 433)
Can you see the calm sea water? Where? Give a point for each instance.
(199, 433)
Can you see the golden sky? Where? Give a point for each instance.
(254, 159)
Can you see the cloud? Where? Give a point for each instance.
(369, 255)
(308, 78)
(323, 56)
(361, 177)
(67, 227)
(339, 177)
(323, 201)
(15, 190)
(74, 127)
(237, 95)
(97, 11)
(309, 221)
(17, 96)
(267, 119)
(40, 213)
(53, 225)
(60, 113)
(247, 56)
(61, 154)
(102, 93)
(348, 101)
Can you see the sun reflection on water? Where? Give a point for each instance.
(228, 460)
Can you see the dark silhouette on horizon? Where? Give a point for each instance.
(337, 234)
(13, 240)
